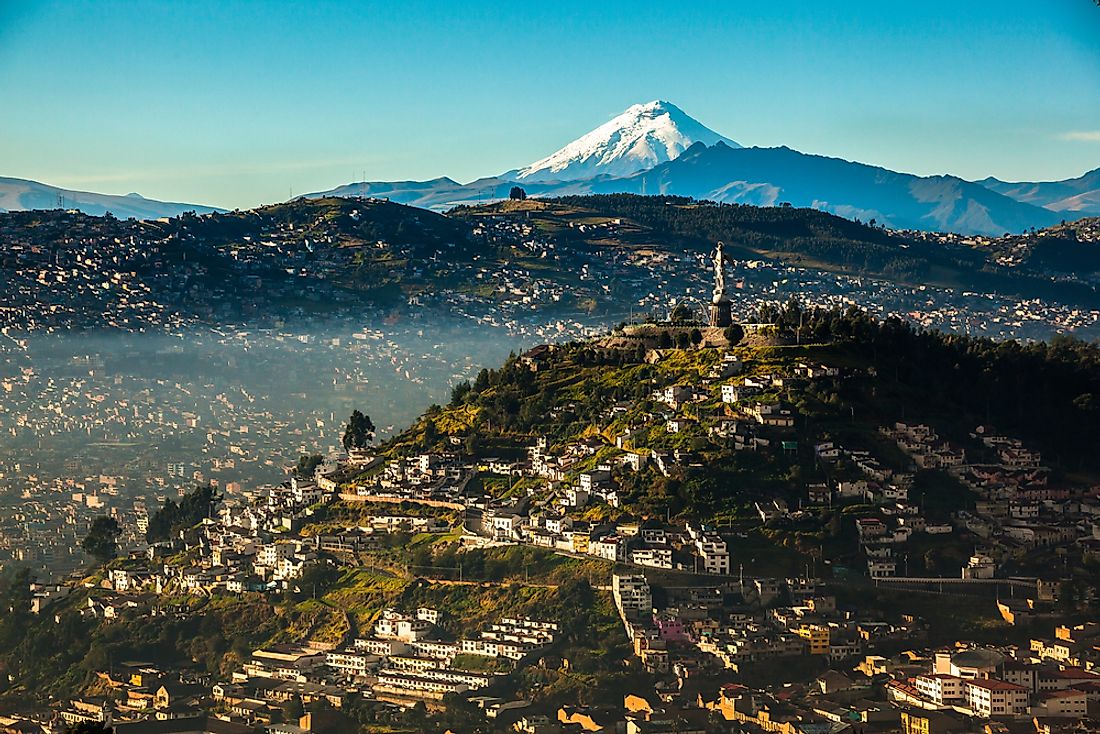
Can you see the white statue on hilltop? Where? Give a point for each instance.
(719, 274)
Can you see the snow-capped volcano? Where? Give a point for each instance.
(644, 136)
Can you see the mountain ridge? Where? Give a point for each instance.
(716, 168)
(769, 176)
(762, 177)
(1080, 195)
(20, 194)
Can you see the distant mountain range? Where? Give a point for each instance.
(656, 148)
(1075, 196)
(770, 176)
(17, 194)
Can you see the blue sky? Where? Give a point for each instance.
(242, 103)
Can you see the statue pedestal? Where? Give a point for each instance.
(720, 315)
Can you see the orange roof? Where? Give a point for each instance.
(1068, 693)
(1071, 674)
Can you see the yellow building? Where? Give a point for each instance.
(817, 638)
(580, 542)
(928, 722)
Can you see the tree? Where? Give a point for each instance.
(101, 542)
(431, 433)
(307, 463)
(89, 727)
(359, 431)
(460, 391)
(734, 334)
(418, 714)
(664, 341)
(517, 194)
(293, 710)
(314, 581)
(682, 340)
(172, 517)
(482, 381)
(696, 337)
(15, 606)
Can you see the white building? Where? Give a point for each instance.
(394, 625)
(655, 557)
(609, 548)
(980, 566)
(990, 697)
(351, 662)
(940, 688)
(632, 595)
(713, 553)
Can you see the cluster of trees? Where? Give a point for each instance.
(1047, 393)
(315, 580)
(734, 333)
(89, 727)
(188, 512)
(479, 565)
(359, 432)
(307, 464)
(374, 715)
(59, 653)
(101, 542)
(682, 340)
(15, 605)
(681, 314)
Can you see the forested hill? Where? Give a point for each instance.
(851, 376)
(816, 239)
(1047, 393)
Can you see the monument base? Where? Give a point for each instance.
(720, 315)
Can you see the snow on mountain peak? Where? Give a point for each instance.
(643, 136)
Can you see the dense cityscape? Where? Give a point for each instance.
(448, 376)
